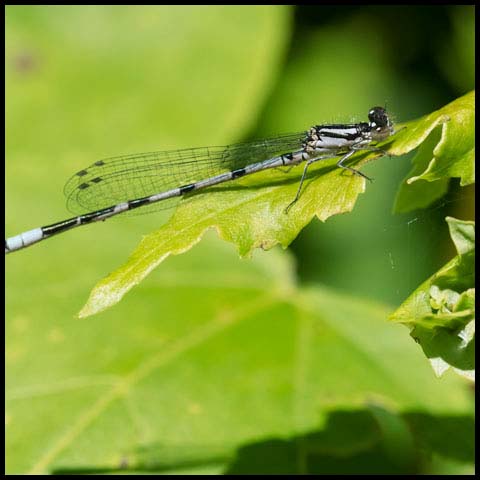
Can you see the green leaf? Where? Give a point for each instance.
(457, 57)
(463, 235)
(220, 366)
(441, 311)
(447, 439)
(109, 47)
(251, 214)
(453, 154)
(154, 89)
(421, 194)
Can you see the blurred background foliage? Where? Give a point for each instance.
(83, 83)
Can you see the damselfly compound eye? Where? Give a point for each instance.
(378, 117)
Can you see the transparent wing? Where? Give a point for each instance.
(114, 180)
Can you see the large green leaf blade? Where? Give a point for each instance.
(250, 217)
(230, 365)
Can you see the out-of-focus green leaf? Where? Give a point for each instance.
(220, 367)
(457, 58)
(89, 81)
(141, 62)
(453, 154)
(441, 311)
(252, 214)
(448, 440)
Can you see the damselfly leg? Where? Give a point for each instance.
(309, 162)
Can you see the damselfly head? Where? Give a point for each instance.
(380, 122)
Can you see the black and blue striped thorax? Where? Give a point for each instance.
(336, 137)
(341, 131)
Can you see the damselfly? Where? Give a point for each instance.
(117, 185)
